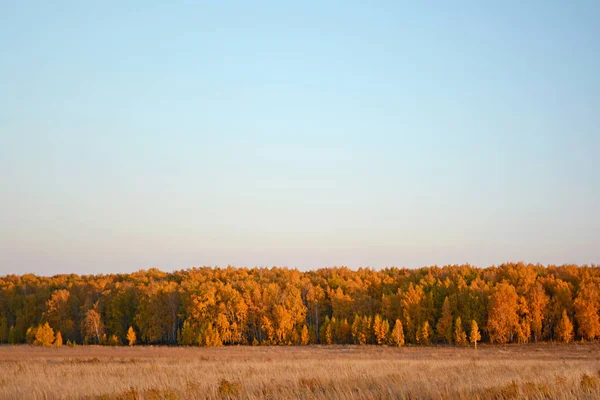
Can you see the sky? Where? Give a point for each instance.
(140, 134)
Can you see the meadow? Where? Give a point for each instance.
(532, 371)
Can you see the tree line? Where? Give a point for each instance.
(510, 303)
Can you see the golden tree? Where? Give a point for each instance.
(398, 334)
(94, 328)
(424, 334)
(381, 329)
(537, 300)
(131, 336)
(345, 332)
(188, 334)
(304, 336)
(329, 334)
(58, 341)
(44, 336)
(475, 335)
(502, 317)
(444, 325)
(586, 311)
(460, 336)
(564, 330)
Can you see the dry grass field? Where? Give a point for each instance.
(339, 372)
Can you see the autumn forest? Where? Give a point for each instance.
(458, 305)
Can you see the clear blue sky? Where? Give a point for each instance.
(137, 134)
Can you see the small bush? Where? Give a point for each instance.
(113, 341)
(229, 389)
(131, 394)
(589, 382)
(158, 394)
(533, 390)
(509, 391)
(312, 384)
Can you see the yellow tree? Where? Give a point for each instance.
(59, 313)
(424, 334)
(58, 342)
(586, 311)
(304, 337)
(94, 328)
(564, 330)
(345, 332)
(44, 336)
(523, 331)
(537, 300)
(444, 325)
(413, 310)
(502, 315)
(267, 328)
(398, 334)
(209, 337)
(384, 333)
(131, 336)
(475, 335)
(188, 334)
(381, 329)
(460, 336)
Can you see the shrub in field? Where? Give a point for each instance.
(229, 389)
(312, 384)
(589, 383)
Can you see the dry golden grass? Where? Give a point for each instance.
(340, 372)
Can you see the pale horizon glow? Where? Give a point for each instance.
(190, 133)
